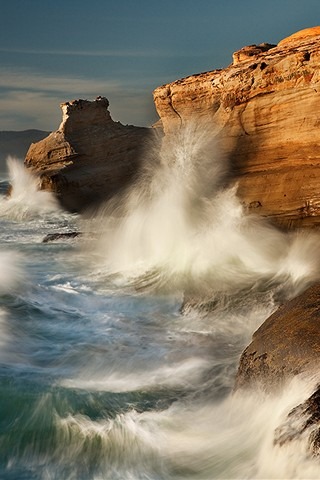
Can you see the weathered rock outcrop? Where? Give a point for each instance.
(264, 110)
(265, 107)
(285, 345)
(90, 157)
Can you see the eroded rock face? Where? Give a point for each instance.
(285, 345)
(90, 157)
(265, 108)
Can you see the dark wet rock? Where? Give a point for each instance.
(302, 420)
(52, 237)
(285, 345)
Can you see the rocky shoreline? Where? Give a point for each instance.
(263, 112)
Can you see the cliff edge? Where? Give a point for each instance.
(265, 106)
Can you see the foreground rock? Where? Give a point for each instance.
(90, 157)
(303, 420)
(285, 345)
(288, 344)
(265, 109)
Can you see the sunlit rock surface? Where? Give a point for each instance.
(90, 157)
(265, 107)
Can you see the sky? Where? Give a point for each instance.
(53, 51)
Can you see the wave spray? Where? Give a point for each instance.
(25, 199)
(182, 226)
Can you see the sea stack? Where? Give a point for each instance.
(90, 157)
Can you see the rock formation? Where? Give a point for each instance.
(285, 345)
(90, 157)
(265, 107)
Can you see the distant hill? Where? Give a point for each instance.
(17, 144)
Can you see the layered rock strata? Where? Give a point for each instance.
(90, 157)
(265, 110)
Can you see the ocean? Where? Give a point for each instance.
(119, 348)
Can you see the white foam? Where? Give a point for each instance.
(230, 439)
(25, 199)
(11, 272)
(183, 374)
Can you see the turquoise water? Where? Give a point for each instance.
(103, 379)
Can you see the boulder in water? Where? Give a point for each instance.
(285, 345)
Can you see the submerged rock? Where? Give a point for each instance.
(90, 157)
(264, 108)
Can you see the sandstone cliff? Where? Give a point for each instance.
(90, 157)
(266, 108)
(263, 109)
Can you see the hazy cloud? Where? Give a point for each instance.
(25, 79)
(31, 99)
(100, 53)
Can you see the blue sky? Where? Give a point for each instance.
(53, 51)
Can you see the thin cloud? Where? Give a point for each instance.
(94, 53)
(25, 79)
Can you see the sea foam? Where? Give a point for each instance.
(25, 199)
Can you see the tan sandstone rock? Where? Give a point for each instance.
(90, 157)
(265, 108)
